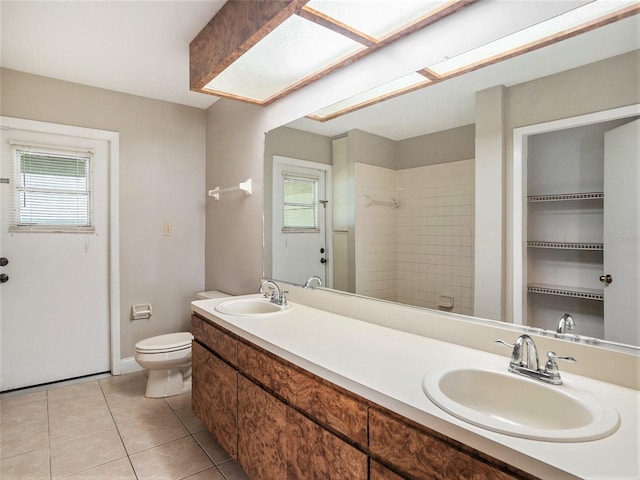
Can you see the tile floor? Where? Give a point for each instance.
(107, 429)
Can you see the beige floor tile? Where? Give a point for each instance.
(77, 392)
(193, 423)
(174, 460)
(130, 389)
(85, 452)
(16, 398)
(21, 438)
(209, 474)
(82, 422)
(232, 471)
(150, 432)
(19, 413)
(138, 409)
(213, 449)
(27, 466)
(177, 402)
(117, 470)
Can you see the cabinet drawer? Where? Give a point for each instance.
(327, 405)
(215, 339)
(422, 456)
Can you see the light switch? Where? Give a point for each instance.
(168, 229)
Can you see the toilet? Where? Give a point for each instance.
(168, 359)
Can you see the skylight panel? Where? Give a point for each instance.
(376, 18)
(536, 33)
(294, 50)
(398, 86)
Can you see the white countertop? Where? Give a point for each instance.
(387, 366)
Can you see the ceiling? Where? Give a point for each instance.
(136, 47)
(141, 47)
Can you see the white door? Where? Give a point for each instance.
(55, 310)
(300, 215)
(622, 234)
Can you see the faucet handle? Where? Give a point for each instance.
(502, 342)
(551, 366)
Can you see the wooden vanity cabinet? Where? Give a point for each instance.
(282, 422)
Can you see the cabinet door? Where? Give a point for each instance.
(261, 433)
(214, 397)
(314, 453)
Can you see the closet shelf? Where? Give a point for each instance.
(566, 245)
(564, 291)
(563, 197)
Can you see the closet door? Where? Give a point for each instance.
(622, 233)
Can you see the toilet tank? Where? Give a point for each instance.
(211, 294)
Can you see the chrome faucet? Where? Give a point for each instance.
(278, 296)
(566, 323)
(524, 361)
(315, 278)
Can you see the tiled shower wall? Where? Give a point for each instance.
(422, 252)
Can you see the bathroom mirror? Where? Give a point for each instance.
(406, 168)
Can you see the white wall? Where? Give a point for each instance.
(162, 161)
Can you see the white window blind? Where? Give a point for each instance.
(300, 204)
(54, 190)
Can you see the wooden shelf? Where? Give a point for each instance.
(563, 197)
(566, 245)
(564, 291)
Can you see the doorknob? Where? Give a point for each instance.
(4, 261)
(4, 278)
(606, 278)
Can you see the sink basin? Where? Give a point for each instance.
(250, 306)
(507, 403)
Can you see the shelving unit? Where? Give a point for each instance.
(573, 184)
(565, 216)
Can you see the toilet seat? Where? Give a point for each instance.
(171, 342)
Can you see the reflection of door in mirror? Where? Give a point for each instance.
(622, 233)
(300, 220)
(573, 211)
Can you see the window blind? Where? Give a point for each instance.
(54, 191)
(300, 204)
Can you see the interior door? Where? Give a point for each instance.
(622, 234)
(300, 207)
(54, 321)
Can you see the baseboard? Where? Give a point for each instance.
(129, 365)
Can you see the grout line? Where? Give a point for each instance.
(104, 395)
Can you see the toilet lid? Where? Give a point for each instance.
(165, 343)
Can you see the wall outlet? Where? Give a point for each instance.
(168, 229)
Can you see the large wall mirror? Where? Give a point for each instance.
(486, 195)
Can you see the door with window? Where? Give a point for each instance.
(300, 216)
(55, 319)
